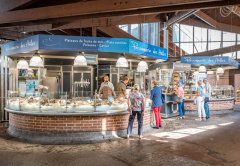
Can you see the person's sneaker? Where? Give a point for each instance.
(140, 136)
(198, 119)
(160, 125)
(156, 127)
(127, 136)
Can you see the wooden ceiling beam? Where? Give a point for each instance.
(207, 19)
(8, 5)
(219, 51)
(179, 17)
(98, 22)
(104, 8)
(217, 25)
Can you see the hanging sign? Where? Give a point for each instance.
(207, 60)
(80, 43)
(181, 67)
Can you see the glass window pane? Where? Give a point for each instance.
(153, 34)
(227, 44)
(187, 47)
(176, 33)
(144, 33)
(214, 45)
(124, 27)
(229, 36)
(238, 37)
(186, 33)
(200, 34)
(231, 54)
(200, 47)
(134, 30)
(238, 55)
(214, 35)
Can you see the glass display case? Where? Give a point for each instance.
(190, 91)
(70, 103)
(222, 92)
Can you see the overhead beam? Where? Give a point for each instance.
(8, 5)
(219, 51)
(217, 25)
(99, 9)
(98, 22)
(207, 19)
(179, 17)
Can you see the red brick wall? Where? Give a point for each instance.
(213, 105)
(74, 123)
(223, 79)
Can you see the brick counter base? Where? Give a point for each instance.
(213, 105)
(72, 128)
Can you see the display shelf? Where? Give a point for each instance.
(238, 96)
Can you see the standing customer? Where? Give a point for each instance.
(156, 97)
(180, 93)
(200, 102)
(208, 91)
(136, 105)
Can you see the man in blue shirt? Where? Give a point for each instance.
(156, 97)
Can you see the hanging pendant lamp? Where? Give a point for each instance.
(142, 66)
(122, 61)
(220, 70)
(36, 60)
(202, 69)
(80, 60)
(22, 64)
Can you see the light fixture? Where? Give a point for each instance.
(22, 64)
(122, 61)
(202, 69)
(220, 70)
(80, 60)
(36, 60)
(142, 66)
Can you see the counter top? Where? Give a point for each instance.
(213, 99)
(97, 113)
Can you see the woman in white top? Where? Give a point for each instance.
(200, 102)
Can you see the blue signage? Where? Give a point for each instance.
(20, 46)
(80, 43)
(209, 60)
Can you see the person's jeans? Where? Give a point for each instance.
(200, 107)
(131, 120)
(157, 115)
(206, 107)
(181, 109)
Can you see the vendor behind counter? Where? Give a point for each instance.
(106, 89)
(120, 87)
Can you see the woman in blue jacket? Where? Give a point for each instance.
(156, 97)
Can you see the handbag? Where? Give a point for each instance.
(179, 99)
(206, 100)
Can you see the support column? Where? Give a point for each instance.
(165, 36)
(6, 87)
(2, 89)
